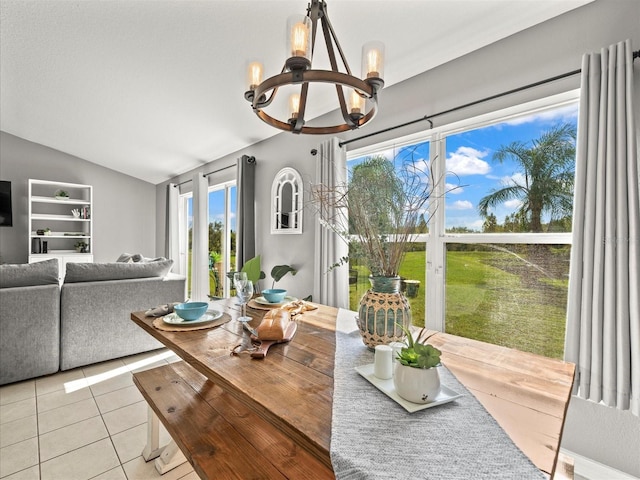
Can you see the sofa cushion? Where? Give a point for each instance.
(95, 272)
(29, 274)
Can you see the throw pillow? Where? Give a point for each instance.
(97, 272)
(129, 258)
(29, 274)
(137, 257)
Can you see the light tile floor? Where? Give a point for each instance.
(87, 423)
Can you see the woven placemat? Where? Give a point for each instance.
(262, 306)
(165, 327)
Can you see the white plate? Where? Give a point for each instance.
(209, 316)
(446, 395)
(264, 301)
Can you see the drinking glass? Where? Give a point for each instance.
(244, 292)
(239, 279)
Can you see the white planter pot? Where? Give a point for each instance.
(417, 385)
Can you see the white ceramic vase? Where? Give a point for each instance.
(417, 385)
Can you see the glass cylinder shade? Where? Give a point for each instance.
(254, 75)
(299, 41)
(373, 60)
(356, 103)
(294, 105)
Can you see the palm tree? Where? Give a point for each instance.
(547, 184)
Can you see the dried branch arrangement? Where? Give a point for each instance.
(379, 211)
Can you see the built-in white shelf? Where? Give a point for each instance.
(69, 201)
(61, 218)
(49, 211)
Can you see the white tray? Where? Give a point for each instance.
(446, 395)
(209, 316)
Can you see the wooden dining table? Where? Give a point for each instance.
(279, 408)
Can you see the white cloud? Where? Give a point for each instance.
(515, 179)
(564, 114)
(461, 205)
(453, 189)
(468, 161)
(513, 204)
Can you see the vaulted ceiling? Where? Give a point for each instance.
(155, 88)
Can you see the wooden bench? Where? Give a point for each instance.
(217, 434)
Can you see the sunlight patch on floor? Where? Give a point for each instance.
(75, 385)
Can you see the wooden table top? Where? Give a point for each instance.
(292, 387)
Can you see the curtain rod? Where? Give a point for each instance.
(249, 159)
(428, 118)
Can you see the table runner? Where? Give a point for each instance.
(372, 437)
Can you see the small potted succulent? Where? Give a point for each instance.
(62, 195)
(416, 377)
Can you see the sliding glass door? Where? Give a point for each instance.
(222, 237)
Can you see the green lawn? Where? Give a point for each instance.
(493, 296)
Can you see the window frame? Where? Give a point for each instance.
(437, 238)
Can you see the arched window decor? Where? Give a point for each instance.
(286, 202)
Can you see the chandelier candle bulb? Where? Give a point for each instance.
(383, 363)
(254, 75)
(356, 103)
(299, 28)
(373, 60)
(294, 105)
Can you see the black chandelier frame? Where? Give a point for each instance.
(297, 72)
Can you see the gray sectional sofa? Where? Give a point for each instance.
(45, 327)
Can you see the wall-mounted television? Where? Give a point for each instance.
(6, 216)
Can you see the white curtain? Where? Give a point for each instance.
(331, 287)
(200, 240)
(172, 241)
(603, 314)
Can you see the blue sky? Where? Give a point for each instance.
(216, 207)
(469, 161)
(470, 166)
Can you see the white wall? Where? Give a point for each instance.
(552, 48)
(124, 209)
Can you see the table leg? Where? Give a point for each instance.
(167, 457)
(170, 458)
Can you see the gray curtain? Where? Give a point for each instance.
(246, 217)
(200, 240)
(603, 314)
(330, 286)
(172, 239)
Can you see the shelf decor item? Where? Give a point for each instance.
(62, 195)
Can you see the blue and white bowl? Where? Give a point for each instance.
(274, 295)
(191, 310)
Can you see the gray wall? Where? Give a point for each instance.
(552, 48)
(124, 208)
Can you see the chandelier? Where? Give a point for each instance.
(358, 107)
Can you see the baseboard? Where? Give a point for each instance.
(588, 468)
